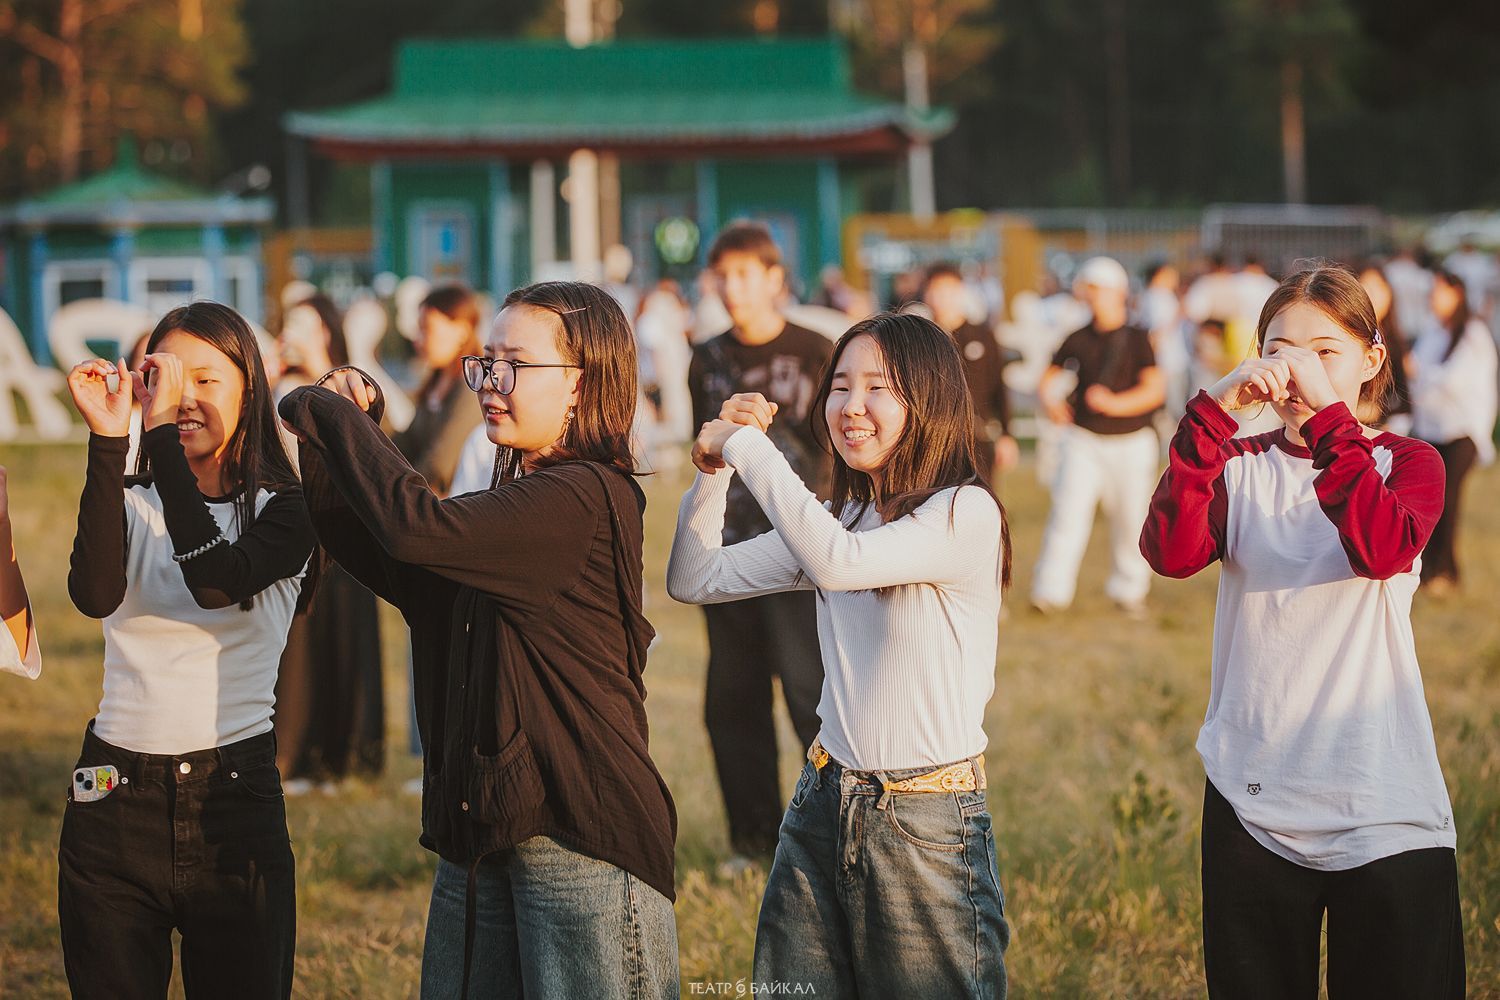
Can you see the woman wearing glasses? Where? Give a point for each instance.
(554, 829)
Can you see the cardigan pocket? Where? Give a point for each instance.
(505, 789)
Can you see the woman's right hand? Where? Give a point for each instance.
(106, 413)
(1254, 380)
(708, 449)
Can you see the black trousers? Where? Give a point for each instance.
(750, 642)
(195, 842)
(1439, 559)
(330, 702)
(1394, 926)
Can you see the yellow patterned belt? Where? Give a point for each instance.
(964, 776)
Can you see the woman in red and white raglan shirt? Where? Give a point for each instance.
(1324, 791)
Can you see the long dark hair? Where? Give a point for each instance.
(936, 448)
(1457, 324)
(255, 457)
(333, 323)
(1398, 399)
(594, 334)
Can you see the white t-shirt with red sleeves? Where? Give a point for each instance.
(1317, 729)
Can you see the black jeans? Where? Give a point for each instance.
(195, 842)
(749, 642)
(1440, 558)
(1394, 925)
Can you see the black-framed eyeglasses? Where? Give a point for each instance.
(499, 373)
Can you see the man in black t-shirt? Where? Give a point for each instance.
(984, 368)
(754, 640)
(1108, 452)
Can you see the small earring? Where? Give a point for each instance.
(567, 423)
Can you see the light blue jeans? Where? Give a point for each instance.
(875, 895)
(550, 922)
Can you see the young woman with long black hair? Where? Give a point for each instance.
(448, 329)
(330, 693)
(1397, 405)
(554, 830)
(884, 881)
(1324, 795)
(175, 818)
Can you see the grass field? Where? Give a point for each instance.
(1094, 783)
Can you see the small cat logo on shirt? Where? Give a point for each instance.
(1254, 788)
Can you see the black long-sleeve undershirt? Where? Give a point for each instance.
(275, 546)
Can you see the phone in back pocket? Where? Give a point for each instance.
(90, 784)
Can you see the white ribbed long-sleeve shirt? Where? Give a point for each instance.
(907, 672)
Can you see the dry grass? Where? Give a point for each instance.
(1094, 783)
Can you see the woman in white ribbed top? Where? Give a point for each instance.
(886, 851)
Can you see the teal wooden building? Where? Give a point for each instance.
(464, 150)
(131, 235)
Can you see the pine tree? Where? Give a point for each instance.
(81, 73)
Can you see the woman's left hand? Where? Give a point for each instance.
(160, 395)
(750, 409)
(708, 450)
(1309, 378)
(352, 385)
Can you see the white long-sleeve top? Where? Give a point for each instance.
(907, 672)
(1455, 397)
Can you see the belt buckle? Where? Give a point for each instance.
(960, 777)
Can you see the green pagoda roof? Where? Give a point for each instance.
(126, 194)
(640, 96)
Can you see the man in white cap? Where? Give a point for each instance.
(1108, 449)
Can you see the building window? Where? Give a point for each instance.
(65, 281)
(241, 287)
(164, 283)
